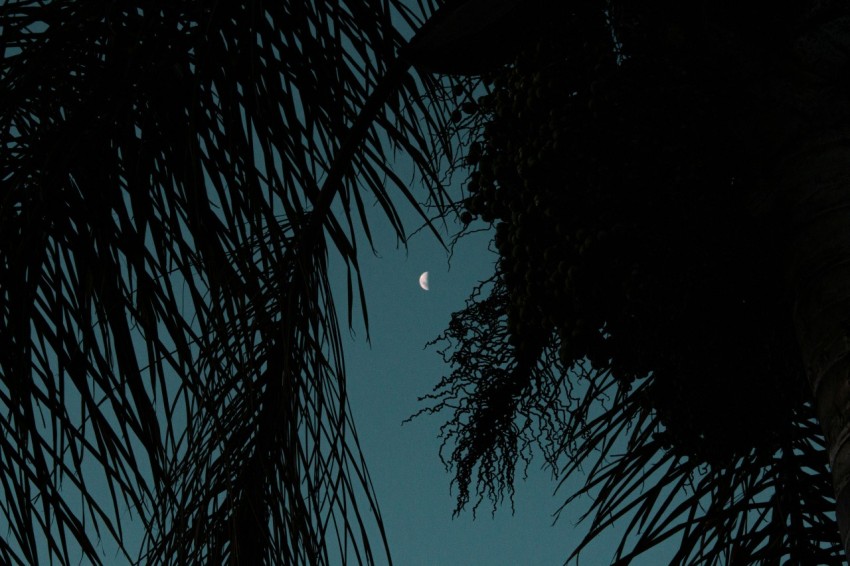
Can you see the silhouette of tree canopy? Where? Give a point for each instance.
(641, 320)
(168, 174)
(169, 344)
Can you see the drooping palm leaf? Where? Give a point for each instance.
(168, 330)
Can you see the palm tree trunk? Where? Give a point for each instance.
(815, 185)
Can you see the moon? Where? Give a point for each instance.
(423, 281)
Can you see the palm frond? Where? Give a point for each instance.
(167, 179)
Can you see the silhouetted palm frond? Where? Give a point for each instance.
(169, 342)
(754, 508)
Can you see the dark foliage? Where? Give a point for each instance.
(639, 303)
(169, 345)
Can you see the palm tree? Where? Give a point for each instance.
(175, 176)
(668, 183)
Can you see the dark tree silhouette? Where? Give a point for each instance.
(169, 345)
(669, 187)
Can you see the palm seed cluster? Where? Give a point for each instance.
(619, 202)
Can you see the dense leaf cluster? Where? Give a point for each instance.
(622, 224)
(625, 191)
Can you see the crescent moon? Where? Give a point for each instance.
(423, 281)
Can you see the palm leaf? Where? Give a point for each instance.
(168, 328)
